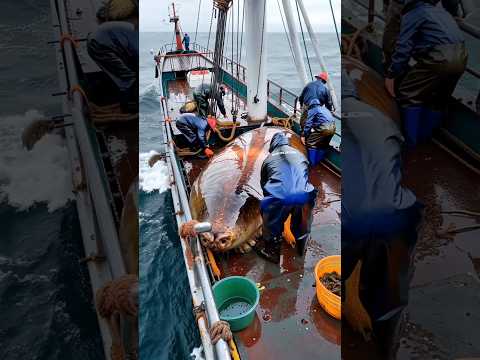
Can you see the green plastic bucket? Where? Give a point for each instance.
(236, 298)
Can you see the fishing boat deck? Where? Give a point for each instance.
(290, 322)
(181, 90)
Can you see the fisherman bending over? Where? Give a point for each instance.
(379, 219)
(201, 96)
(318, 130)
(316, 89)
(186, 42)
(430, 35)
(393, 20)
(287, 191)
(195, 128)
(114, 48)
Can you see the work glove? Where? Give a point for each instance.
(208, 152)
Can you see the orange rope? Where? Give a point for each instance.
(68, 37)
(213, 264)
(78, 88)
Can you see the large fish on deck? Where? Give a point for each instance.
(227, 193)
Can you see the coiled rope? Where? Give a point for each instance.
(283, 122)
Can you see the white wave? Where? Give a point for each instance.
(41, 175)
(197, 353)
(153, 178)
(152, 87)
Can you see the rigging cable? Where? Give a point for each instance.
(285, 30)
(233, 24)
(208, 40)
(239, 62)
(255, 99)
(335, 24)
(198, 19)
(304, 42)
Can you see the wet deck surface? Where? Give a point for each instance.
(443, 314)
(181, 90)
(290, 324)
(442, 318)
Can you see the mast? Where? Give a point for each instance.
(255, 30)
(316, 48)
(292, 29)
(175, 19)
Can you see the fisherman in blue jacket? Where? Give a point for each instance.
(186, 42)
(318, 130)
(430, 36)
(287, 191)
(318, 90)
(114, 48)
(393, 19)
(380, 219)
(195, 128)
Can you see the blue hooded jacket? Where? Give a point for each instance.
(198, 125)
(186, 40)
(317, 115)
(316, 90)
(423, 27)
(284, 174)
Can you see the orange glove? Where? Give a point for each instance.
(208, 152)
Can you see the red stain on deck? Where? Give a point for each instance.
(251, 334)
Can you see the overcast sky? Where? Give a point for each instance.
(154, 15)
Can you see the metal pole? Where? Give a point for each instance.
(371, 11)
(221, 347)
(318, 54)
(292, 29)
(255, 40)
(223, 352)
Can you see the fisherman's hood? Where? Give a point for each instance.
(279, 139)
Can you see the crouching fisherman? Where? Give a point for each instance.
(317, 90)
(318, 131)
(380, 220)
(114, 48)
(287, 191)
(195, 129)
(430, 36)
(203, 94)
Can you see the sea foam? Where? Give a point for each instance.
(153, 178)
(42, 175)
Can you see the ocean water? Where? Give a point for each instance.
(167, 330)
(45, 307)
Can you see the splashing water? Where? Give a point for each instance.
(41, 175)
(153, 178)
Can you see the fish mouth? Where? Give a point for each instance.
(223, 241)
(207, 240)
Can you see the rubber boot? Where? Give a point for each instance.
(315, 156)
(431, 120)
(411, 124)
(302, 244)
(271, 250)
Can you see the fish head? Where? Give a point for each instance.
(219, 239)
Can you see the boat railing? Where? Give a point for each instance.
(278, 95)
